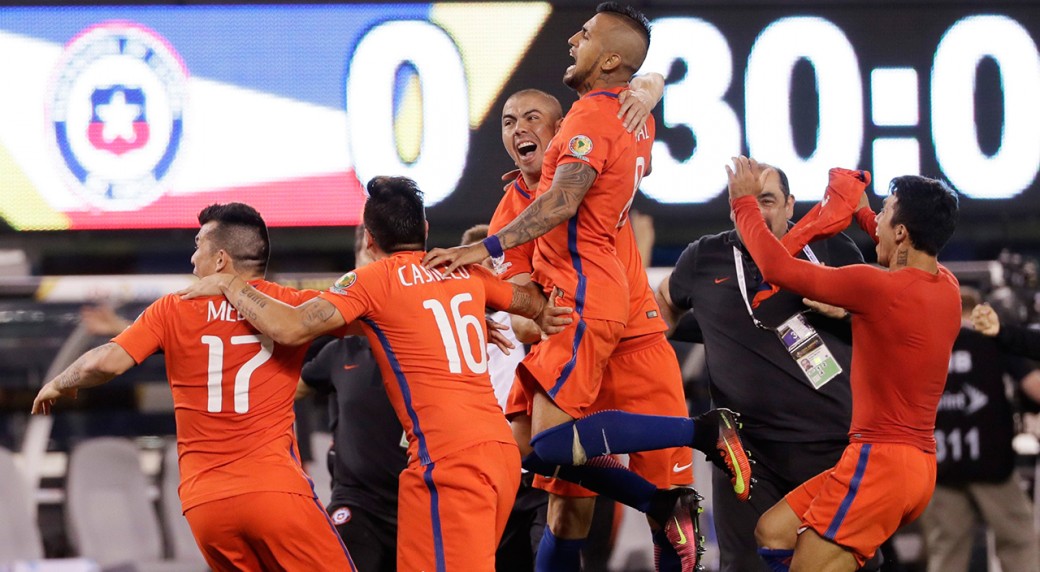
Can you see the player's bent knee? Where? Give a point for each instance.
(778, 527)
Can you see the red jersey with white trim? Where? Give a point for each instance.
(904, 323)
(580, 256)
(428, 334)
(233, 394)
(516, 260)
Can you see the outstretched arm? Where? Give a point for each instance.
(1011, 338)
(559, 203)
(840, 287)
(93, 368)
(285, 324)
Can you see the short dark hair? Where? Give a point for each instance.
(475, 233)
(928, 209)
(394, 214)
(359, 239)
(241, 232)
(554, 104)
(785, 185)
(638, 20)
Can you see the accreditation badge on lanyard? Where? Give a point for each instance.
(798, 336)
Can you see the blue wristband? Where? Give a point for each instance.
(493, 246)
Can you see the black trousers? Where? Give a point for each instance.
(372, 541)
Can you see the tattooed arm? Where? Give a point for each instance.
(285, 324)
(528, 301)
(555, 206)
(93, 368)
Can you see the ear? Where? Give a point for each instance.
(223, 260)
(611, 63)
(900, 233)
(789, 206)
(426, 233)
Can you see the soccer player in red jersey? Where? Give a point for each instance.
(642, 376)
(233, 399)
(904, 323)
(590, 174)
(428, 334)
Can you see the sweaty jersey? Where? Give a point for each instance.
(232, 394)
(579, 256)
(904, 323)
(428, 334)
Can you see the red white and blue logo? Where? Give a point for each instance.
(117, 110)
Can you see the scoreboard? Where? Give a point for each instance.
(136, 117)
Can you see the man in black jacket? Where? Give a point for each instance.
(795, 419)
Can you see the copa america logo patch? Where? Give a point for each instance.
(116, 106)
(579, 146)
(341, 515)
(344, 282)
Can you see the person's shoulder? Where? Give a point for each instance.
(714, 242)
(284, 293)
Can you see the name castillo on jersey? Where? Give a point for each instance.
(116, 108)
(409, 275)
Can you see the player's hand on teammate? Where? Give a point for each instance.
(452, 258)
(836, 312)
(636, 105)
(208, 286)
(553, 319)
(985, 320)
(745, 177)
(495, 335)
(48, 394)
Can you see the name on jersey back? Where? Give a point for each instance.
(414, 274)
(225, 312)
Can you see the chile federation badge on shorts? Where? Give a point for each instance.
(116, 108)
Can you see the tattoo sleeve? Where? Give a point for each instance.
(317, 312)
(528, 301)
(559, 203)
(285, 324)
(84, 372)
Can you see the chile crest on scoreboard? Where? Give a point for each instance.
(116, 108)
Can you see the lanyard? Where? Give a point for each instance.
(738, 263)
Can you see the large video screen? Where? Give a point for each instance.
(138, 116)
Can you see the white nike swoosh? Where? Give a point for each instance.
(677, 469)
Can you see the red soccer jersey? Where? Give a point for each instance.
(428, 334)
(644, 313)
(232, 394)
(904, 324)
(580, 256)
(515, 260)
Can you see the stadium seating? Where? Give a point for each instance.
(19, 535)
(111, 518)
